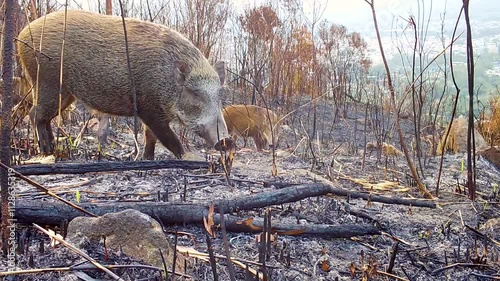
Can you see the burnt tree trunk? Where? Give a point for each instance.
(6, 108)
(54, 212)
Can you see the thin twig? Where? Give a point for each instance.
(391, 275)
(131, 76)
(45, 190)
(459, 265)
(28, 45)
(86, 267)
(225, 241)
(79, 252)
(454, 110)
(59, 115)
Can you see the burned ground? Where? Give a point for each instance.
(430, 239)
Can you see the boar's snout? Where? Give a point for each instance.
(224, 144)
(215, 134)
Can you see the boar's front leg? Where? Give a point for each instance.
(150, 143)
(167, 137)
(260, 141)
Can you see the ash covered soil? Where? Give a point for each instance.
(430, 240)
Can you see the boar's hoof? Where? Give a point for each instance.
(224, 144)
(148, 156)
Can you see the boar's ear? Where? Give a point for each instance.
(182, 70)
(220, 67)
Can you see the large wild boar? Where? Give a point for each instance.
(251, 121)
(172, 78)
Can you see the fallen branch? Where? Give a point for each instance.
(45, 212)
(362, 195)
(236, 224)
(329, 190)
(205, 257)
(82, 168)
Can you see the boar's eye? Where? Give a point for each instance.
(193, 95)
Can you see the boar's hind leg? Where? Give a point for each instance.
(103, 128)
(42, 114)
(167, 137)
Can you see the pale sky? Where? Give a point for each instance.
(356, 14)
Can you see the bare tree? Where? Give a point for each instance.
(109, 7)
(471, 146)
(411, 165)
(202, 21)
(6, 107)
(260, 25)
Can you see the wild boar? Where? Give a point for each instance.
(251, 121)
(172, 78)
